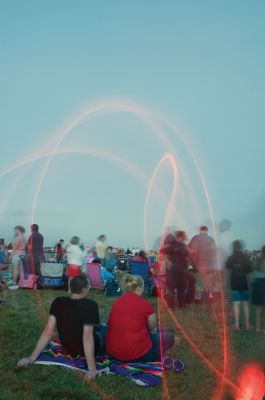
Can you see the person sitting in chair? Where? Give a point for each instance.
(140, 257)
(76, 318)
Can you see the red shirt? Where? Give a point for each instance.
(128, 335)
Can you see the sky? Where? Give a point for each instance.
(168, 77)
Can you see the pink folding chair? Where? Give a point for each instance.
(95, 276)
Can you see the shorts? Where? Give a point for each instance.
(258, 293)
(240, 296)
(73, 270)
(16, 260)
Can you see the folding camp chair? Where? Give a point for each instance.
(95, 276)
(143, 269)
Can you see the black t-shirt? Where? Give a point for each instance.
(71, 317)
(240, 266)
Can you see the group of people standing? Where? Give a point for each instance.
(201, 264)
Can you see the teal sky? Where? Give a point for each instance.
(200, 64)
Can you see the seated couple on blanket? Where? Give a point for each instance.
(130, 336)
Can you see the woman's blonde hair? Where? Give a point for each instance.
(131, 282)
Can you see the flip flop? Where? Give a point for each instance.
(173, 365)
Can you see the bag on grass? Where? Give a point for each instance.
(112, 288)
(27, 280)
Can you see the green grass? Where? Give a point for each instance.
(24, 315)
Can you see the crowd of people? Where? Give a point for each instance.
(185, 271)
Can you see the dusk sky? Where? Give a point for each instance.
(168, 77)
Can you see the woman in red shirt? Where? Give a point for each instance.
(132, 330)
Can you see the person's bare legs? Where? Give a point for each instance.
(236, 311)
(15, 273)
(258, 318)
(246, 312)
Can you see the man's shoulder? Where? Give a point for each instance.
(61, 299)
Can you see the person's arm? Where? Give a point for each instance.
(152, 325)
(89, 349)
(42, 343)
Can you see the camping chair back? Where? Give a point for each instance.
(95, 276)
(140, 268)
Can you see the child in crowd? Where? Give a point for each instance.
(239, 265)
(75, 258)
(258, 294)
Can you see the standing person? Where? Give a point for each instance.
(132, 333)
(178, 256)
(100, 248)
(203, 256)
(75, 258)
(76, 319)
(258, 294)
(35, 249)
(110, 261)
(239, 266)
(167, 253)
(19, 249)
(59, 251)
(3, 255)
(181, 264)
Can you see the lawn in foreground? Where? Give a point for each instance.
(25, 314)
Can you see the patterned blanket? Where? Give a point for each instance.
(143, 374)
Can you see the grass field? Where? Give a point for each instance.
(24, 315)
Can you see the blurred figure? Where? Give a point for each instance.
(167, 255)
(19, 249)
(160, 241)
(110, 261)
(59, 251)
(178, 257)
(35, 249)
(3, 255)
(203, 255)
(225, 241)
(258, 294)
(239, 266)
(140, 257)
(75, 258)
(100, 248)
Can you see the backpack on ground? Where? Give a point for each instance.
(112, 288)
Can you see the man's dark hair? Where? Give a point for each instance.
(203, 228)
(78, 283)
(35, 228)
(61, 240)
(142, 254)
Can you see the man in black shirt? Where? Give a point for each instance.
(75, 317)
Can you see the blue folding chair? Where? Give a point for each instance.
(143, 269)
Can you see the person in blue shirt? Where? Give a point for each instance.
(110, 260)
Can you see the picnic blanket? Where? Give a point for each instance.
(143, 374)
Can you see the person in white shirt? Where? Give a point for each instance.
(75, 257)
